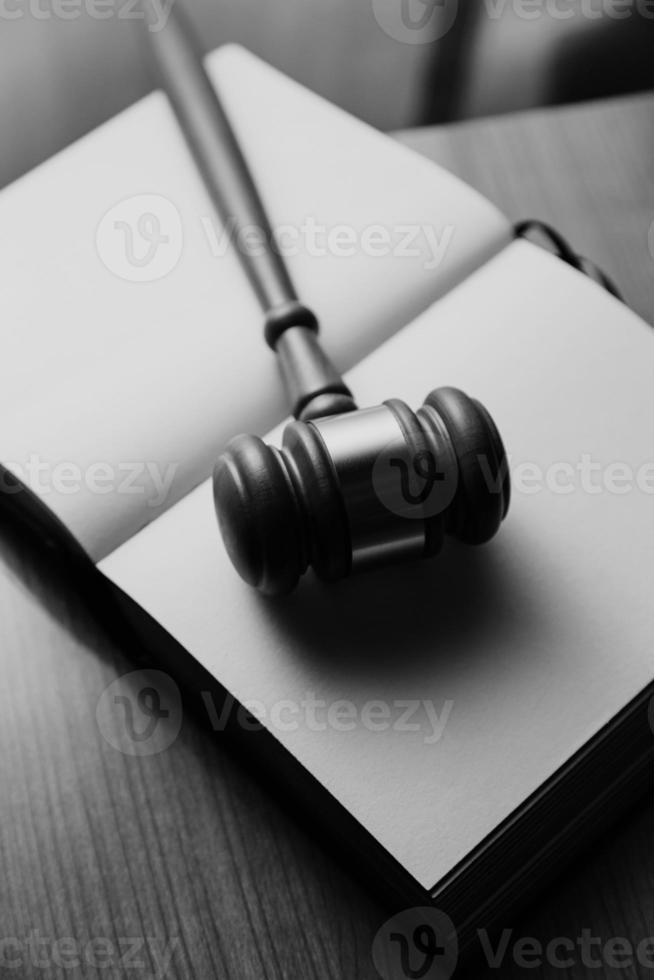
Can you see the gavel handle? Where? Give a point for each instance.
(312, 382)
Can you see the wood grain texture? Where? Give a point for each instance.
(584, 169)
(182, 853)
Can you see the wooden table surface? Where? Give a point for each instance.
(125, 861)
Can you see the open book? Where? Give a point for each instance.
(490, 701)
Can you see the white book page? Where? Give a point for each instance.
(131, 340)
(524, 648)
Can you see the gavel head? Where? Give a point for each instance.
(371, 486)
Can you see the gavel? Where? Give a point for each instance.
(350, 487)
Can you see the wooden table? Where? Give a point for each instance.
(182, 852)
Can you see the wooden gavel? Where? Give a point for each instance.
(350, 487)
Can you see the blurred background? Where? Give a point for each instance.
(68, 65)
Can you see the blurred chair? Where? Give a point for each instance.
(394, 63)
(59, 78)
(508, 55)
